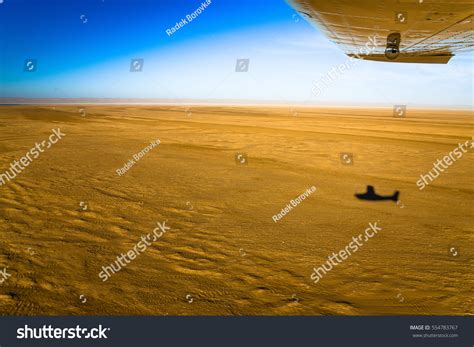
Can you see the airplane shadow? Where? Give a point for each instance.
(371, 195)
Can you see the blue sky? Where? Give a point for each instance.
(84, 49)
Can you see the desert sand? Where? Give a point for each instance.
(69, 213)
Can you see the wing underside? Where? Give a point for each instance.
(430, 31)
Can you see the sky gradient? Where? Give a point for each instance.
(83, 49)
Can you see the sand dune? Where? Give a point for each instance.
(224, 255)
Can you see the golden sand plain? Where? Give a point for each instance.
(224, 255)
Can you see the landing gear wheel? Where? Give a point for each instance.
(393, 46)
(392, 53)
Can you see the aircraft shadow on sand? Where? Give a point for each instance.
(373, 196)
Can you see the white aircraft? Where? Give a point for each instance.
(416, 31)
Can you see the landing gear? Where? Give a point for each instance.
(393, 46)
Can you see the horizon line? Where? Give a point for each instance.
(18, 101)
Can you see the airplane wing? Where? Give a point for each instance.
(409, 31)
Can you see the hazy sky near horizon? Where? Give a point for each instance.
(85, 48)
